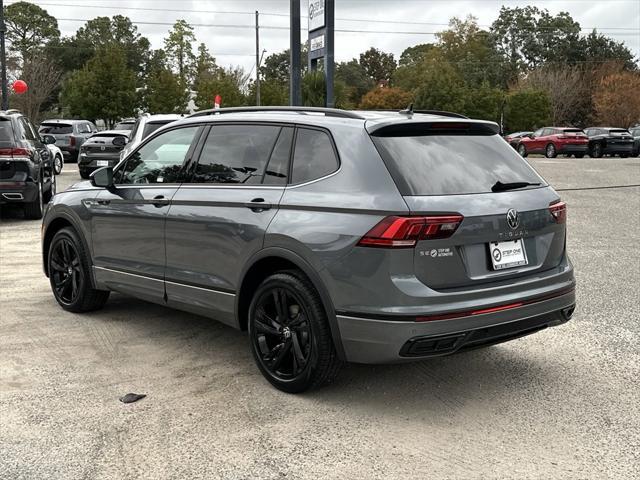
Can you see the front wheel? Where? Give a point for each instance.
(522, 150)
(69, 274)
(289, 333)
(550, 151)
(57, 165)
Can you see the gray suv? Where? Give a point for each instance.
(328, 235)
(69, 135)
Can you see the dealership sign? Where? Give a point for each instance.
(317, 43)
(316, 14)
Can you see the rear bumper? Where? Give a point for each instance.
(90, 163)
(573, 148)
(367, 340)
(18, 192)
(627, 148)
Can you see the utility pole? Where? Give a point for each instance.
(295, 88)
(257, 60)
(3, 59)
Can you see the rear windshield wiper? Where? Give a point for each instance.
(503, 187)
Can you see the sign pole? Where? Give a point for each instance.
(257, 60)
(3, 60)
(295, 86)
(329, 11)
(321, 42)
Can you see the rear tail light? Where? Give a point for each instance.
(559, 211)
(405, 232)
(14, 152)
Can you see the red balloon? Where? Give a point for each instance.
(20, 86)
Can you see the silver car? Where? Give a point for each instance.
(144, 126)
(331, 236)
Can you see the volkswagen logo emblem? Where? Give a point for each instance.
(513, 219)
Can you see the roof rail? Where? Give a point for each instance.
(328, 112)
(11, 111)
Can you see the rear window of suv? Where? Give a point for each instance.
(452, 164)
(151, 127)
(56, 128)
(6, 132)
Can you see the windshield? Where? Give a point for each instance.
(452, 164)
(56, 128)
(149, 128)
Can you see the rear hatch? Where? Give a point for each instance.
(620, 137)
(62, 132)
(101, 145)
(14, 160)
(574, 136)
(494, 210)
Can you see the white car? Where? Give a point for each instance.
(145, 125)
(57, 157)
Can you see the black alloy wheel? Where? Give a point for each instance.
(290, 338)
(65, 271)
(596, 150)
(69, 274)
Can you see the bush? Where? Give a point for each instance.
(527, 110)
(389, 98)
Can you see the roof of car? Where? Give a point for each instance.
(126, 133)
(609, 128)
(62, 120)
(163, 117)
(325, 117)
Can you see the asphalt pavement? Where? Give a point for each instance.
(563, 403)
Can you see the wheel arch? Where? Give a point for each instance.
(53, 226)
(269, 261)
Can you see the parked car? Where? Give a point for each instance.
(635, 132)
(514, 138)
(145, 126)
(368, 237)
(552, 141)
(26, 168)
(69, 134)
(125, 124)
(101, 150)
(609, 141)
(57, 157)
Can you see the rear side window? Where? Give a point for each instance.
(27, 131)
(314, 156)
(56, 128)
(236, 154)
(6, 132)
(452, 164)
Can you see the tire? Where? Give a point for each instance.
(33, 210)
(57, 164)
(84, 175)
(579, 155)
(295, 354)
(624, 155)
(69, 270)
(53, 186)
(550, 151)
(522, 150)
(596, 150)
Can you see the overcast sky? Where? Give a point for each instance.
(619, 19)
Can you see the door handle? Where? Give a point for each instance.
(103, 201)
(258, 205)
(159, 201)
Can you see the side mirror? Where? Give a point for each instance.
(48, 139)
(103, 177)
(119, 141)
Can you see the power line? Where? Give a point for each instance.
(285, 15)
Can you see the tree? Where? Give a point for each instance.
(163, 92)
(527, 110)
(276, 66)
(356, 81)
(441, 87)
(103, 32)
(412, 56)
(104, 88)
(616, 99)
(390, 98)
(179, 52)
(314, 90)
(596, 47)
(228, 83)
(272, 93)
(568, 90)
(378, 65)
(43, 77)
(29, 27)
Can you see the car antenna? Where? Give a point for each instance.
(408, 110)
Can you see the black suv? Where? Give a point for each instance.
(26, 168)
(608, 140)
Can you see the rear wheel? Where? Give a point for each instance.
(69, 274)
(596, 150)
(550, 151)
(522, 150)
(289, 333)
(33, 210)
(57, 164)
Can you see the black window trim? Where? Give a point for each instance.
(185, 163)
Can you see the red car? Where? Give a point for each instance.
(555, 140)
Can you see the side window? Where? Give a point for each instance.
(160, 160)
(538, 133)
(277, 171)
(27, 131)
(235, 154)
(314, 156)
